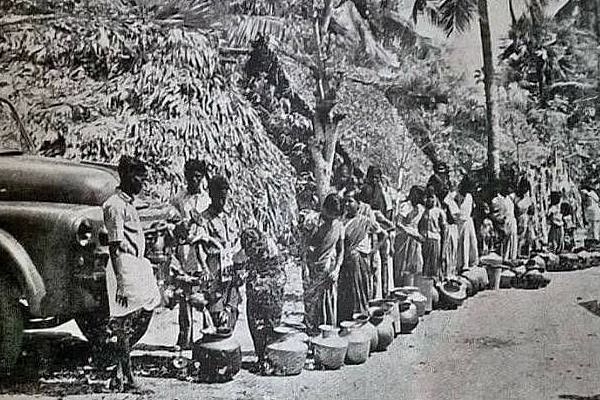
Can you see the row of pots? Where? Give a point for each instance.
(355, 341)
(364, 334)
(573, 261)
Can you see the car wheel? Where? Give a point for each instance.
(11, 329)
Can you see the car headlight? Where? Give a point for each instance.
(84, 232)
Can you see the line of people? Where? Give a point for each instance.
(431, 234)
(439, 231)
(363, 245)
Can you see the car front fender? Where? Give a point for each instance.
(14, 258)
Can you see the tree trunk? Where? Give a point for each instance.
(488, 82)
(322, 144)
(597, 31)
(322, 149)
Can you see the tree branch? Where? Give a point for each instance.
(326, 17)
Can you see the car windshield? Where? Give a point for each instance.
(10, 139)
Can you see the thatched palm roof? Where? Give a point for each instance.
(95, 82)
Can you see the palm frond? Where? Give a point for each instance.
(247, 29)
(427, 7)
(456, 15)
(195, 14)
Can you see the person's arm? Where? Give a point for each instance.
(379, 234)
(339, 258)
(114, 222)
(442, 222)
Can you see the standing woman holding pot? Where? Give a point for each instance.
(324, 259)
(408, 259)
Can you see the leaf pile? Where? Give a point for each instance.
(97, 81)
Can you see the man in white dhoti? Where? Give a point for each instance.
(132, 288)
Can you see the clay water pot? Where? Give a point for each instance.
(545, 279)
(394, 304)
(329, 349)
(483, 278)
(537, 262)
(506, 278)
(287, 355)
(585, 259)
(399, 293)
(417, 298)
(520, 270)
(359, 342)
(494, 273)
(471, 291)
(408, 316)
(453, 292)
(382, 320)
(533, 279)
(219, 355)
(594, 258)
(363, 324)
(435, 297)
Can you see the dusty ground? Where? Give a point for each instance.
(508, 344)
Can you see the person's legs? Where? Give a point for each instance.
(185, 314)
(120, 330)
(377, 276)
(384, 252)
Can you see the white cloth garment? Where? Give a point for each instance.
(139, 285)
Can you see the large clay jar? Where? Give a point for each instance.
(417, 298)
(494, 273)
(533, 279)
(329, 349)
(399, 294)
(395, 314)
(452, 293)
(219, 355)
(506, 278)
(393, 304)
(469, 278)
(482, 277)
(408, 316)
(435, 297)
(287, 355)
(385, 330)
(363, 324)
(359, 342)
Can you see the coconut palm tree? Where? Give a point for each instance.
(457, 16)
(586, 15)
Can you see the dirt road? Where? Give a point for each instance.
(507, 344)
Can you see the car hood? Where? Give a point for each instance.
(42, 179)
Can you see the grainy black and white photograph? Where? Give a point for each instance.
(300, 199)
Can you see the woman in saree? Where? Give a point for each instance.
(353, 284)
(523, 211)
(450, 244)
(468, 252)
(408, 259)
(324, 258)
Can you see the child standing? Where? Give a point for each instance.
(569, 225)
(432, 227)
(556, 234)
(487, 234)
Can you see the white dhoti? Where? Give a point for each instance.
(139, 286)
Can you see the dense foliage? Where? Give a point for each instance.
(98, 80)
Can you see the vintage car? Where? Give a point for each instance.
(53, 243)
